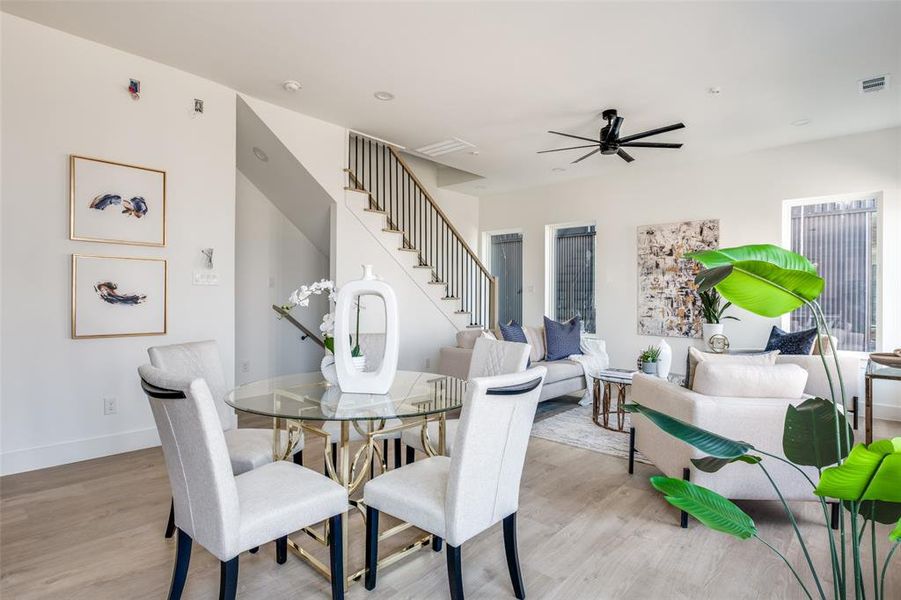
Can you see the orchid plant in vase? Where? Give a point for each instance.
(301, 297)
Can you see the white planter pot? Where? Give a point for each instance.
(709, 330)
(359, 363)
(649, 367)
(327, 367)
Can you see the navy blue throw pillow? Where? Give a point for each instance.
(512, 332)
(798, 342)
(562, 338)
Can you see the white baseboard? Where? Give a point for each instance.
(889, 412)
(41, 457)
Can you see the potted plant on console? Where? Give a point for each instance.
(648, 360)
(712, 309)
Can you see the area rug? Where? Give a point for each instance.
(574, 427)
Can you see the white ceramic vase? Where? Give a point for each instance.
(709, 330)
(327, 367)
(351, 380)
(665, 360)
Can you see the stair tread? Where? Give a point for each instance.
(375, 210)
(386, 230)
(409, 250)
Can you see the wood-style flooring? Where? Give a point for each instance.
(587, 529)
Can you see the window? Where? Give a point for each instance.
(505, 263)
(570, 281)
(839, 237)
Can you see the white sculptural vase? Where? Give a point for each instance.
(709, 330)
(665, 360)
(327, 367)
(352, 380)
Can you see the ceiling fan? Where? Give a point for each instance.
(609, 142)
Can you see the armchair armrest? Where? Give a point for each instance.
(454, 361)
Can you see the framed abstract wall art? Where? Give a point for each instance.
(667, 302)
(118, 296)
(116, 203)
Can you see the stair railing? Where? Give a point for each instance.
(378, 169)
(306, 333)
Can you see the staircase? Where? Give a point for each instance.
(423, 230)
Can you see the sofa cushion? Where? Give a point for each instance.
(558, 370)
(562, 339)
(797, 342)
(734, 380)
(695, 356)
(467, 337)
(512, 332)
(535, 336)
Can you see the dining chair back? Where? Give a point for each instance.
(496, 357)
(489, 452)
(198, 359)
(203, 486)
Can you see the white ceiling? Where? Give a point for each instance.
(500, 74)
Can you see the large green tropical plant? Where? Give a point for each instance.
(865, 480)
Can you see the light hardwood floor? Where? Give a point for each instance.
(587, 530)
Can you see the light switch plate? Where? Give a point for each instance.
(205, 277)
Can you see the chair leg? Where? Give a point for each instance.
(396, 453)
(454, 572)
(513, 556)
(182, 560)
(298, 458)
(170, 526)
(336, 557)
(631, 450)
(228, 579)
(372, 547)
(411, 455)
(833, 522)
(683, 516)
(436, 543)
(855, 402)
(281, 550)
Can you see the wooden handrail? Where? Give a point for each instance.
(440, 212)
(306, 332)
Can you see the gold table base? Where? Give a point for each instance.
(601, 408)
(350, 471)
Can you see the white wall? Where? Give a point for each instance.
(61, 95)
(272, 258)
(744, 192)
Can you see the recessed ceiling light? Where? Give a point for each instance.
(290, 85)
(258, 152)
(384, 96)
(715, 91)
(558, 169)
(800, 122)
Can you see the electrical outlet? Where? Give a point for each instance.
(245, 366)
(110, 406)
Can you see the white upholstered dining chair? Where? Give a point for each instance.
(489, 358)
(247, 448)
(458, 497)
(225, 513)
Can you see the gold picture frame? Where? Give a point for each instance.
(89, 225)
(104, 304)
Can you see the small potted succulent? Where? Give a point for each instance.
(712, 309)
(648, 360)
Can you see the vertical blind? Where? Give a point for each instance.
(574, 254)
(506, 265)
(840, 239)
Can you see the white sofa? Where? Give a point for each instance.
(758, 421)
(563, 376)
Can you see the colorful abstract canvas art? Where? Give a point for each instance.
(667, 302)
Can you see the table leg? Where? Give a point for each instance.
(442, 435)
(605, 409)
(596, 400)
(277, 437)
(621, 407)
(344, 470)
(868, 408)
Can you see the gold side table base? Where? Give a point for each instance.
(601, 408)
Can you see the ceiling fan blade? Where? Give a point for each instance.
(624, 155)
(613, 132)
(570, 148)
(598, 149)
(651, 132)
(650, 145)
(578, 137)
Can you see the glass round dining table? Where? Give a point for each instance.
(303, 403)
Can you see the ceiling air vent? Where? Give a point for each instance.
(873, 84)
(444, 147)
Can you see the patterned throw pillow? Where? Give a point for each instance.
(562, 338)
(513, 332)
(798, 342)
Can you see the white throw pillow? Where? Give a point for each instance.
(535, 337)
(695, 357)
(467, 337)
(749, 381)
